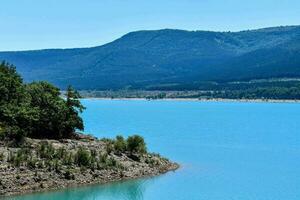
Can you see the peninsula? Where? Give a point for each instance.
(41, 149)
(42, 165)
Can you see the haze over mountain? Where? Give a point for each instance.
(167, 58)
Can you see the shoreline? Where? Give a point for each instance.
(199, 100)
(81, 185)
(46, 176)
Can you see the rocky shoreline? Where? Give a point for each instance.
(42, 165)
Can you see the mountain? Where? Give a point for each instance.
(167, 58)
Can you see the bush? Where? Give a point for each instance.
(18, 158)
(109, 146)
(31, 163)
(68, 159)
(82, 157)
(103, 157)
(136, 144)
(111, 162)
(46, 150)
(120, 144)
(15, 134)
(69, 175)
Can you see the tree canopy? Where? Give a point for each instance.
(36, 109)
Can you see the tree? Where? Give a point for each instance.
(15, 112)
(74, 107)
(51, 110)
(36, 110)
(11, 85)
(58, 118)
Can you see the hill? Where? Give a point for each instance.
(167, 59)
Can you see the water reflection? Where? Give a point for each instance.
(228, 151)
(127, 190)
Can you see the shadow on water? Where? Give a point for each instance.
(125, 190)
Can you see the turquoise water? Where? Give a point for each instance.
(228, 151)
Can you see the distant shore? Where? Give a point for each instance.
(201, 100)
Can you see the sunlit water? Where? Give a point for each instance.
(227, 151)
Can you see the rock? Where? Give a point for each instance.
(52, 171)
(24, 182)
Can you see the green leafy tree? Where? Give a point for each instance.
(74, 107)
(11, 85)
(58, 118)
(16, 114)
(51, 110)
(36, 110)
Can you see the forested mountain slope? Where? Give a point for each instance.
(150, 59)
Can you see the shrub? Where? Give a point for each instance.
(1, 156)
(15, 134)
(57, 165)
(19, 157)
(109, 147)
(111, 162)
(46, 150)
(103, 158)
(31, 163)
(68, 159)
(69, 175)
(61, 153)
(82, 157)
(120, 144)
(93, 153)
(136, 144)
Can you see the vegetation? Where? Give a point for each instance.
(136, 144)
(83, 157)
(49, 164)
(120, 145)
(265, 89)
(45, 156)
(39, 148)
(133, 144)
(279, 93)
(167, 58)
(36, 110)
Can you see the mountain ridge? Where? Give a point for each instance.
(165, 29)
(140, 59)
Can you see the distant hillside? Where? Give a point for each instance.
(167, 58)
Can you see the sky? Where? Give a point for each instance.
(41, 24)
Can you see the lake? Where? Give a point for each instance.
(227, 150)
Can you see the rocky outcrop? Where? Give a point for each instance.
(40, 165)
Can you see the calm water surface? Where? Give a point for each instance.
(228, 151)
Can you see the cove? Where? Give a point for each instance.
(227, 150)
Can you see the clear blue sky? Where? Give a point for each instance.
(38, 24)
